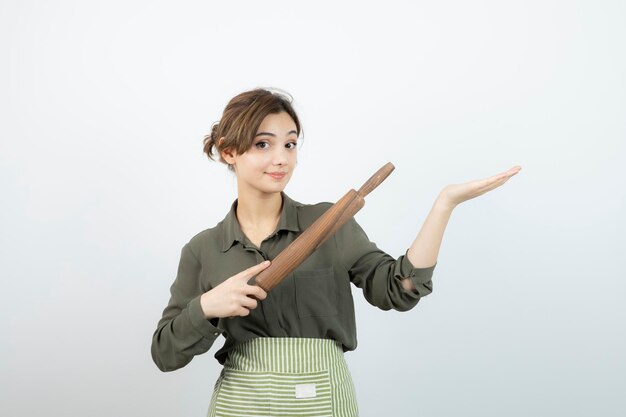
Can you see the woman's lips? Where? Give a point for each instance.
(277, 175)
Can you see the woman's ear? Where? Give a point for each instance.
(227, 154)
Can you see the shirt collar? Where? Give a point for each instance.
(231, 230)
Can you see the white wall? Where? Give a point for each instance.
(104, 106)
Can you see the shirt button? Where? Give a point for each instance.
(216, 334)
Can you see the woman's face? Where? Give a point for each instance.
(267, 166)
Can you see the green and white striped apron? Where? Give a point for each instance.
(286, 377)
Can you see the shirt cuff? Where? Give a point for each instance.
(201, 324)
(419, 276)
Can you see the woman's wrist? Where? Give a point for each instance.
(205, 310)
(444, 203)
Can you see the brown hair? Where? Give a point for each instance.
(242, 117)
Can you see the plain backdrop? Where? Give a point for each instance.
(103, 108)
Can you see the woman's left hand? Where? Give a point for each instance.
(454, 194)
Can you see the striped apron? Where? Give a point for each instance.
(286, 377)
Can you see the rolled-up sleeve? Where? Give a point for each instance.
(378, 274)
(183, 332)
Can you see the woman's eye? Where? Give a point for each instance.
(262, 145)
(292, 145)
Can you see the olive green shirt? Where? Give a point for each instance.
(314, 301)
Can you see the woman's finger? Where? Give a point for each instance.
(494, 183)
(256, 292)
(498, 179)
(485, 185)
(249, 303)
(501, 180)
(246, 274)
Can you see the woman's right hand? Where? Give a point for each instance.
(234, 296)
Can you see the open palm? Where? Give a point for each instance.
(455, 194)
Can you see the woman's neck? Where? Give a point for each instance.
(259, 211)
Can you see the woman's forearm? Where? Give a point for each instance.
(425, 248)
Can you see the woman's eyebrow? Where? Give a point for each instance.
(273, 135)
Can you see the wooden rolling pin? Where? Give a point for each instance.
(320, 231)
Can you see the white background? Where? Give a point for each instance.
(103, 108)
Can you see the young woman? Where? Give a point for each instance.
(283, 353)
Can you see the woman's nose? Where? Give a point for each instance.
(280, 156)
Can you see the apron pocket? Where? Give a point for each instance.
(264, 394)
